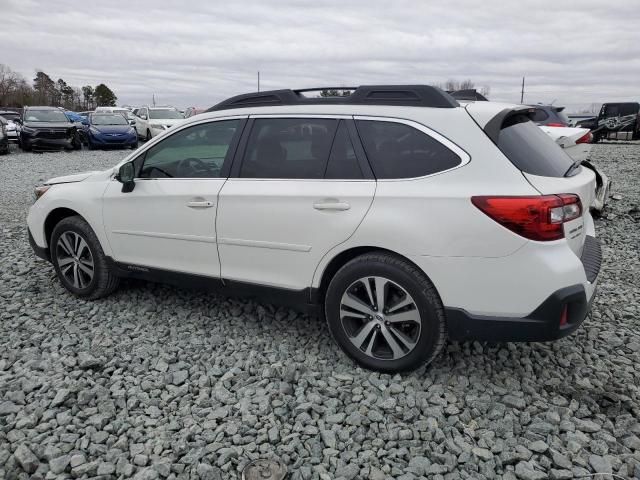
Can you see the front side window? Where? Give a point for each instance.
(288, 148)
(195, 152)
(397, 150)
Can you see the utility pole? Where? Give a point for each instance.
(258, 80)
(154, 99)
(522, 92)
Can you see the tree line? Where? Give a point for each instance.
(450, 85)
(16, 91)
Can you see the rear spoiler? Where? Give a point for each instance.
(493, 126)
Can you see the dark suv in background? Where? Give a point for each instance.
(618, 121)
(47, 128)
(550, 116)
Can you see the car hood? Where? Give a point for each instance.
(46, 125)
(77, 177)
(112, 128)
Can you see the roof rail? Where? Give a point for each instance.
(398, 95)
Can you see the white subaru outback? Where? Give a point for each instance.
(402, 216)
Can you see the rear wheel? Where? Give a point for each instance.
(79, 260)
(385, 313)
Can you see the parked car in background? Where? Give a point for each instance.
(191, 111)
(47, 128)
(366, 208)
(74, 117)
(549, 115)
(12, 127)
(109, 130)
(618, 121)
(152, 121)
(121, 110)
(576, 142)
(4, 139)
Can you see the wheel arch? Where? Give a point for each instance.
(345, 256)
(54, 217)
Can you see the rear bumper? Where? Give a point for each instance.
(556, 317)
(543, 324)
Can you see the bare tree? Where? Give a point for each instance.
(9, 81)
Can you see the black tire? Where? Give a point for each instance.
(148, 137)
(134, 146)
(25, 146)
(432, 333)
(103, 281)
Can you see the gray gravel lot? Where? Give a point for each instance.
(155, 382)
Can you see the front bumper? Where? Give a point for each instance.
(558, 316)
(41, 252)
(38, 143)
(113, 141)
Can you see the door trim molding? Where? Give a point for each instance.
(239, 242)
(169, 236)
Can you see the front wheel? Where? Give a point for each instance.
(385, 313)
(79, 260)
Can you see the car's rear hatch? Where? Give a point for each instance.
(542, 162)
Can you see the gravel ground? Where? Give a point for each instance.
(155, 382)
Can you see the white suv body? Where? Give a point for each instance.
(399, 260)
(152, 121)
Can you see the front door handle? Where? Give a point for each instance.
(331, 205)
(199, 204)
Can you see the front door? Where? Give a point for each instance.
(299, 191)
(168, 220)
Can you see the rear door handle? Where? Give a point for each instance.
(199, 204)
(331, 205)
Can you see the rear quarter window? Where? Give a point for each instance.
(397, 150)
(531, 150)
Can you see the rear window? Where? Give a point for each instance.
(562, 116)
(531, 150)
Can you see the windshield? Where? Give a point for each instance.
(45, 116)
(168, 114)
(619, 109)
(531, 150)
(109, 120)
(10, 116)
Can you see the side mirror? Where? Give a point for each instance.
(126, 174)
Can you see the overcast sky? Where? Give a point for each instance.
(195, 53)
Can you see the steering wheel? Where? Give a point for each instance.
(191, 167)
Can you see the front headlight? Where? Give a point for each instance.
(159, 127)
(28, 129)
(94, 130)
(40, 190)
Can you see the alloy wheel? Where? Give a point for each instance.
(380, 318)
(75, 260)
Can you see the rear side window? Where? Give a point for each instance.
(396, 150)
(531, 150)
(288, 148)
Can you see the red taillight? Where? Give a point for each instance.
(564, 316)
(552, 124)
(586, 138)
(536, 218)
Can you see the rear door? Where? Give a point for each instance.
(298, 188)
